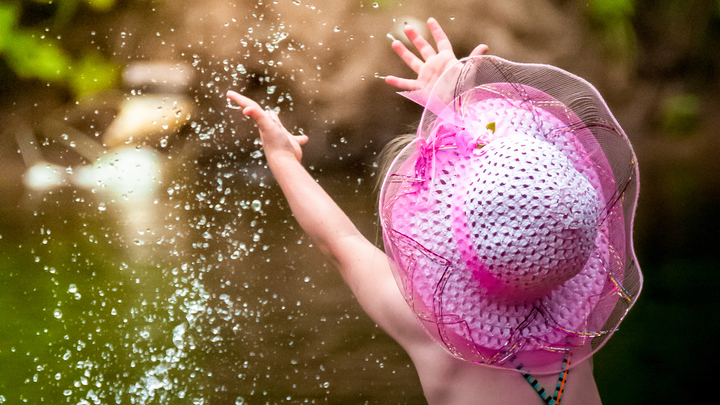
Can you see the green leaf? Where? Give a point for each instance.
(615, 18)
(92, 74)
(607, 10)
(64, 12)
(32, 56)
(681, 114)
(8, 18)
(101, 5)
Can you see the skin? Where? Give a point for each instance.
(444, 378)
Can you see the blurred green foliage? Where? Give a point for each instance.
(31, 52)
(615, 18)
(681, 114)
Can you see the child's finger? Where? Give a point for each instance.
(404, 84)
(250, 108)
(240, 99)
(479, 50)
(408, 57)
(441, 39)
(426, 50)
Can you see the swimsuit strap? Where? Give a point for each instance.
(559, 388)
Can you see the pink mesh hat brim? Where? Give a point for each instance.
(428, 228)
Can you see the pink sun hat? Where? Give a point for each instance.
(508, 220)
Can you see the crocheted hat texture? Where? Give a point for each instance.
(508, 220)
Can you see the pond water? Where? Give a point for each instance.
(139, 268)
(220, 299)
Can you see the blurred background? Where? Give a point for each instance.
(148, 257)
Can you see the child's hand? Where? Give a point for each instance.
(436, 62)
(275, 138)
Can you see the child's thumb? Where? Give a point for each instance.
(301, 139)
(479, 50)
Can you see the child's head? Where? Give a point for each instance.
(508, 219)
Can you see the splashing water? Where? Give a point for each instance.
(191, 285)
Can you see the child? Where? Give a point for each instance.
(506, 228)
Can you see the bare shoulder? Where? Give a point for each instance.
(447, 380)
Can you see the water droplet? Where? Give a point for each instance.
(256, 205)
(178, 333)
(72, 289)
(375, 5)
(57, 313)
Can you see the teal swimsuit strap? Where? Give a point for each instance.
(559, 388)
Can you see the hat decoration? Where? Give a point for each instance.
(508, 220)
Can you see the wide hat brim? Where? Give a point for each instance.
(537, 334)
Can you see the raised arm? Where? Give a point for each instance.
(433, 62)
(364, 267)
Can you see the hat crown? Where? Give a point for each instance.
(532, 217)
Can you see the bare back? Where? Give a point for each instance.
(447, 380)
